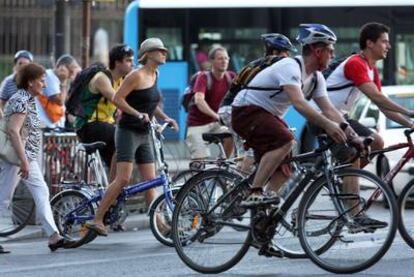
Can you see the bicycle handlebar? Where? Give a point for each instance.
(160, 127)
(408, 132)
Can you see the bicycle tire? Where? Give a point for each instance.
(191, 193)
(160, 206)
(183, 176)
(292, 248)
(63, 200)
(405, 207)
(348, 241)
(20, 212)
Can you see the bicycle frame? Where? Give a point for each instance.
(408, 155)
(161, 180)
(278, 214)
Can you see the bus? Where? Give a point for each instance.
(185, 25)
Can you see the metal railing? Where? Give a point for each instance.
(60, 161)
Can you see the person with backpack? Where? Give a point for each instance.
(50, 104)
(90, 100)
(259, 108)
(276, 45)
(139, 99)
(358, 75)
(209, 90)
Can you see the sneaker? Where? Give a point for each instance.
(256, 199)
(268, 250)
(366, 224)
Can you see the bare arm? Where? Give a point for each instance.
(302, 106)
(384, 103)
(333, 114)
(103, 85)
(159, 113)
(399, 118)
(202, 105)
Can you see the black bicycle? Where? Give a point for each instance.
(212, 232)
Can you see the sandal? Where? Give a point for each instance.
(62, 243)
(99, 231)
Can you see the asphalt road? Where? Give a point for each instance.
(137, 253)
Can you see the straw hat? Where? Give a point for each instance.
(150, 44)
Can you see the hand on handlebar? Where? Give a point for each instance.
(335, 132)
(172, 123)
(144, 117)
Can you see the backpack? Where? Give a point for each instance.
(77, 88)
(187, 100)
(249, 71)
(331, 68)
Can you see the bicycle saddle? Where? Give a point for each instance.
(90, 148)
(215, 138)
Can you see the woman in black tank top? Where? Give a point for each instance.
(138, 99)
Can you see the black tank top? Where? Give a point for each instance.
(144, 101)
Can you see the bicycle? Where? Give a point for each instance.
(405, 200)
(76, 205)
(196, 168)
(205, 219)
(19, 213)
(22, 209)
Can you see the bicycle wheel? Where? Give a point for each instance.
(160, 218)
(183, 176)
(71, 210)
(406, 209)
(286, 237)
(19, 213)
(202, 238)
(359, 230)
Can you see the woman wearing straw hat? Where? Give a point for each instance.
(138, 98)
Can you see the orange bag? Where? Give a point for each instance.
(53, 110)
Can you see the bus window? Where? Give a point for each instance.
(172, 38)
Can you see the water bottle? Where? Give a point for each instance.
(288, 186)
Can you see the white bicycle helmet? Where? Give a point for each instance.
(313, 33)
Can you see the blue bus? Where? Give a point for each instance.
(184, 25)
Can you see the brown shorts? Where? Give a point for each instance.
(262, 131)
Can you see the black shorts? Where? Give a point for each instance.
(360, 129)
(99, 131)
(342, 152)
(131, 145)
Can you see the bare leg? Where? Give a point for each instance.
(147, 172)
(124, 171)
(228, 146)
(351, 184)
(112, 169)
(269, 162)
(246, 165)
(377, 144)
(276, 181)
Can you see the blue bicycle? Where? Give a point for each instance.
(76, 204)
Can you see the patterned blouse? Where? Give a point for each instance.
(23, 102)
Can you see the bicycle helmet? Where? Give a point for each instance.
(23, 54)
(313, 33)
(278, 42)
